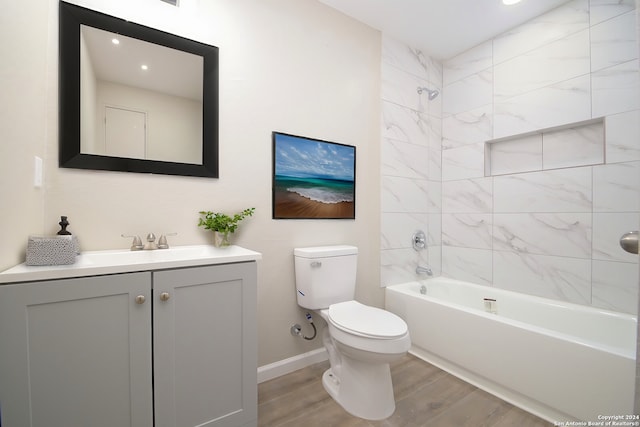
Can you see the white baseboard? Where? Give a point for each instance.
(285, 366)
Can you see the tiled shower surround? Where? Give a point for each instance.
(549, 229)
(410, 161)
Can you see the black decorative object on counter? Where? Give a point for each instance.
(63, 227)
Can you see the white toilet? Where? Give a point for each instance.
(360, 340)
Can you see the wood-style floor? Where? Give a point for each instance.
(425, 396)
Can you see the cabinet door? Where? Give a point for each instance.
(205, 350)
(76, 352)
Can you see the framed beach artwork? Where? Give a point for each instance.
(313, 179)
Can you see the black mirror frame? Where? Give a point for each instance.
(71, 17)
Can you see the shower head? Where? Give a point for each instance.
(431, 93)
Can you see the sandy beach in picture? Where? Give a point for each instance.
(312, 179)
(292, 205)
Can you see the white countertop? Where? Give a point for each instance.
(94, 263)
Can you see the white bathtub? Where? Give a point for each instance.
(557, 360)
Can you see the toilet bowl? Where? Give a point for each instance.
(367, 329)
(360, 340)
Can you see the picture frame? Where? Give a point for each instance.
(312, 178)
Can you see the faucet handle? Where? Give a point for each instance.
(162, 241)
(136, 245)
(419, 240)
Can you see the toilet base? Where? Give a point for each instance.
(363, 389)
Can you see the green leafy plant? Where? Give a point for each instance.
(223, 223)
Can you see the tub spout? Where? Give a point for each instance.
(424, 270)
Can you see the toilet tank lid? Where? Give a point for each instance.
(325, 251)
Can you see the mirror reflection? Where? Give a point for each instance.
(138, 99)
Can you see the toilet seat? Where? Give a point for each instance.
(365, 321)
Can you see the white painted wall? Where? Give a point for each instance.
(24, 127)
(295, 66)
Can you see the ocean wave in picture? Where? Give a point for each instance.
(323, 195)
(312, 179)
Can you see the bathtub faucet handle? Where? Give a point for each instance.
(419, 240)
(424, 270)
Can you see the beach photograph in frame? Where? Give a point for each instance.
(313, 179)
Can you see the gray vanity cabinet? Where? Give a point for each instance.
(111, 350)
(76, 352)
(205, 346)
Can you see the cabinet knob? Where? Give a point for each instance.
(140, 299)
(164, 296)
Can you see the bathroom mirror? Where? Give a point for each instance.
(135, 99)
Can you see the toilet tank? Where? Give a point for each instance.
(325, 275)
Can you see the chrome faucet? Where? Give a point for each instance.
(424, 270)
(151, 242)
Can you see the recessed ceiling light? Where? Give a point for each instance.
(115, 41)
(510, 2)
(144, 67)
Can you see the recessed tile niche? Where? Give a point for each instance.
(578, 144)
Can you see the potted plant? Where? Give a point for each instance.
(222, 224)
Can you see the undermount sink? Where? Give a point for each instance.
(157, 255)
(123, 261)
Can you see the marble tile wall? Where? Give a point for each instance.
(548, 222)
(410, 161)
